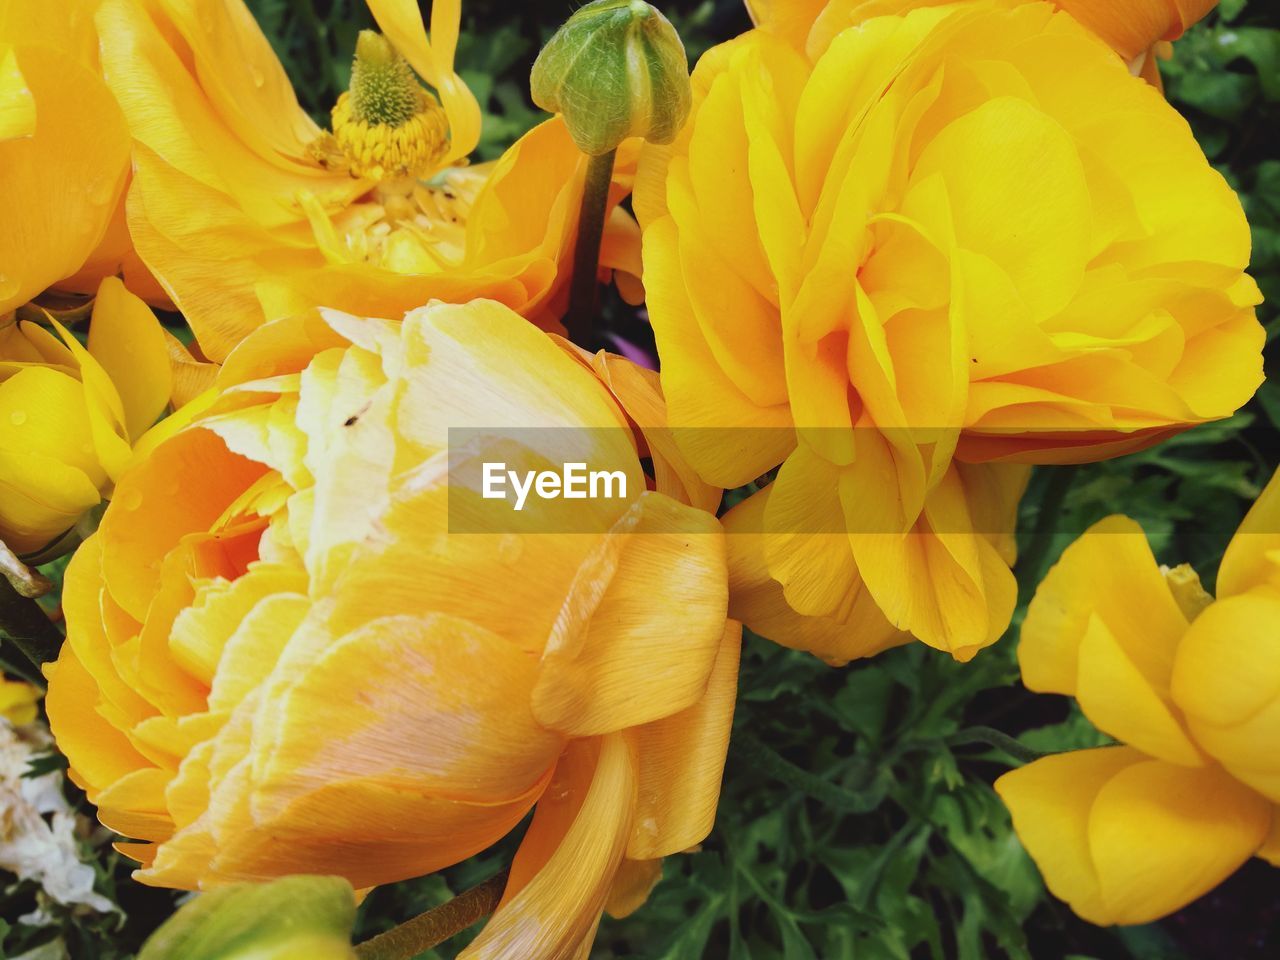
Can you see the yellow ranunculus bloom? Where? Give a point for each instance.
(295, 666)
(69, 415)
(931, 249)
(64, 149)
(64, 158)
(18, 701)
(1133, 28)
(1191, 684)
(249, 212)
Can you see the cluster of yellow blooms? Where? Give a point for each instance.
(900, 251)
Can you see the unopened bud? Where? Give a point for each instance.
(294, 918)
(616, 69)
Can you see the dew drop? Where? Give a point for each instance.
(510, 548)
(130, 500)
(18, 417)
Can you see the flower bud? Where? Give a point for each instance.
(616, 69)
(295, 917)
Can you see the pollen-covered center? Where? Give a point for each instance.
(386, 125)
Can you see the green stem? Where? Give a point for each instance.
(436, 925)
(755, 752)
(23, 622)
(1032, 563)
(994, 738)
(586, 255)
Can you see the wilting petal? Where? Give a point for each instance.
(555, 913)
(680, 760)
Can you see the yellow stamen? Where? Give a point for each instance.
(386, 125)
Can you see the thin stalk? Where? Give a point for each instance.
(1032, 563)
(437, 925)
(994, 738)
(586, 254)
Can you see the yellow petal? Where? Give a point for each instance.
(58, 195)
(757, 599)
(1124, 839)
(1227, 680)
(1253, 556)
(424, 723)
(100, 755)
(17, 105)
(1109, 572)
(611, 661)
(680, 760)
(242, 76)
(555, 914)
(726, 438)
(126, 338)
(401, 21)
(1114, 695)
(634, 882)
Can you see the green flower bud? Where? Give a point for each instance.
(616, 69)
(294, 918)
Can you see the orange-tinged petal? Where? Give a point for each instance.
(1134, 26)
(102, 755)
(632, 885)
(183, 487)
(57, 195)
(255, 97)
(555, 914)
(611, 661)
(680, 761)
(422, 721)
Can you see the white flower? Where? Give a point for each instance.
(37, 825)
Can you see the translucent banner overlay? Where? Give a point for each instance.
(834, 481)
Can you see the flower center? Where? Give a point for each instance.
(386, 126)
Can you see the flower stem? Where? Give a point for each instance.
(23, 622)
(1032, 563)
(586, 255)
(436, 925)
(994, 738)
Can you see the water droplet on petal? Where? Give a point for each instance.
(510, 547)
(18, 417)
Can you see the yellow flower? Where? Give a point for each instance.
(1136, 29)
(930, 249)
(1191, 684)
(295, 666)
(69, 415)
(249, 212)
(18, 701)
(64, 152)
